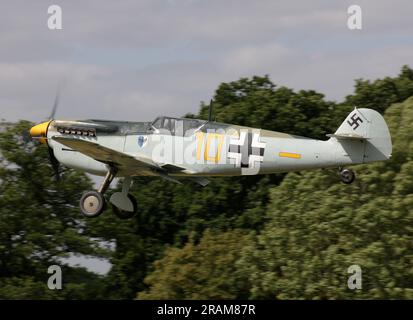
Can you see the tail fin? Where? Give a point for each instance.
(364, 136)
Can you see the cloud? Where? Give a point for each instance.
(138, 59)
(257, 59)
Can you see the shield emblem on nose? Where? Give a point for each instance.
(142, 141)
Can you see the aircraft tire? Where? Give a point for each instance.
(347, 176)
(121, 214)
(92, 204)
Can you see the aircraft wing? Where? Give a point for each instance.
(109, 156)
(125, 162)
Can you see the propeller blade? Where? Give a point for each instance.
(57, 99)
(55, 164)
(26, 136)
(55, 105)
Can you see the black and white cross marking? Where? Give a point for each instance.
(356, 121)
(247, 150)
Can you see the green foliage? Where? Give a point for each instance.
(204, 270)
(168, 213)
(314, 227)
(39, 222)
(319, 228)
(275, 236)
(258, 103)
(381, 93)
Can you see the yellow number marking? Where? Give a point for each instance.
(200, 140)
(210, 137)
(220, 139)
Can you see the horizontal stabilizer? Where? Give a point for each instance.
(346, 136)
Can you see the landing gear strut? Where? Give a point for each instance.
(92, 203)
(347, 176)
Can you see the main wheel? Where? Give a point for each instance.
(92, 204)
(347, 176)
(122, 214)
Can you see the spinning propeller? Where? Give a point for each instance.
(39, 132)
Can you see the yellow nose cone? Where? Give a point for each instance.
(40, 131)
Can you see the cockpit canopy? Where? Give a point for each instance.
(177, 126)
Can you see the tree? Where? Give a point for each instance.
(305, 228)
(314, 229)
(39, 220)
(170, 213)
(381, 93)
(318, 228)
(257, 102)
(204, 270)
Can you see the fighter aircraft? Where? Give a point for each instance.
(180, 149)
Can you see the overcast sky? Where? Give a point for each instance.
(137, 59)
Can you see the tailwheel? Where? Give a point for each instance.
(125, 214)
(92, 204)
(347, 176)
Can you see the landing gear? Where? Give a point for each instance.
(92, 203)
(347, 176)
(124, 205)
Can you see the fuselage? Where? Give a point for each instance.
(197, 147)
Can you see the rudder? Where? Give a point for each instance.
(369, 126)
